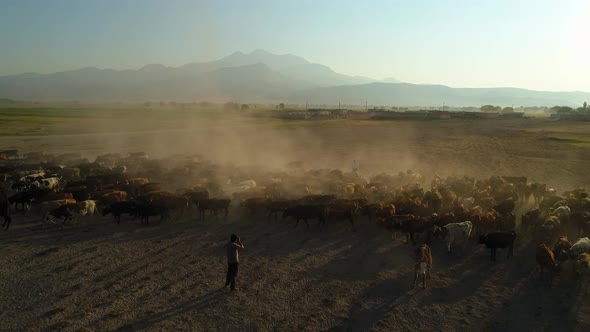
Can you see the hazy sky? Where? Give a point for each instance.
(536, 44)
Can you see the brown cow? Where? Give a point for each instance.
(546, 259)
(148, 187)
(112, 197)
(547, 230)
(44, 208)
(484, 223)
(443, 219)
(348, 189)
(561, 248)
(136, 182)
(360, 201)
(384, 211)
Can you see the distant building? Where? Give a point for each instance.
(571, 116)
(381, 114)
(316, 113)
(441, 115)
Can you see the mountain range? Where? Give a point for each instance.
(260, 77)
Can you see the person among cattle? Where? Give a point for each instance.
(233, 260)
(355, 167)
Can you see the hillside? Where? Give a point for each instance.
(260, 77)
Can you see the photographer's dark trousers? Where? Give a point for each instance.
(232, 273)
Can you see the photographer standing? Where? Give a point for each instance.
(233, 260)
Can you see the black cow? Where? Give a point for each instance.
(119, 208)
(506, 206)
(318, 199)
(196, 196)
(306, 212)
(24, 198)
(5, 210)
(581, 220)
(64, 211)
(497, 240)
(338, 215)
(412, 226)
(213, 204)
(506, 222)
(147, 210)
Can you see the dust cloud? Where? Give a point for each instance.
(443, 148)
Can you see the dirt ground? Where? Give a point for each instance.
(96, 275)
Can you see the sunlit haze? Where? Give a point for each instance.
(540, 45)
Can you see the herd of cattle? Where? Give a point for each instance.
(61, 188)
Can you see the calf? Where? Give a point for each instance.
(500, 239)
(422, 264)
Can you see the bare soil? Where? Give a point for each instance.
(168, 276)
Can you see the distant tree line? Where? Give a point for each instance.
(496, 109)
(567, 109)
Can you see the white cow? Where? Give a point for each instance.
(89, 208)
(85, 208)
(581, 246)
(563, 213)
(30, 177)
(48, 183)
(457, 232)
